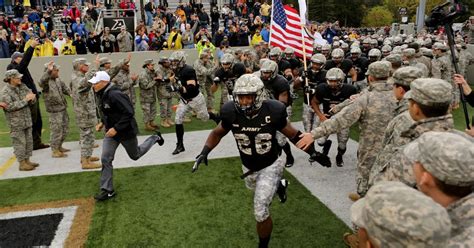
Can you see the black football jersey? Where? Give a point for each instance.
(276, 86)
(256, 137)
(327, 97)
(185, 74)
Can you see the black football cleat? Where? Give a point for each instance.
(179, 149)
(320, 158)
(281, 191)
(160, 139)
(339, 160)
(105, 195)
(327, 147)
(290, 161)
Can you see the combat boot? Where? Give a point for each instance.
(149, 127)
(152, 123)
(351, 240)
(58, 154)
(327, 147)
(339, 160)
(187, 119)
(170, 122)
(354, 196)
(24, 166)
(62, 149)
(164, 123)
(93, 159)
(95, 145)
(32, 163)
(87, 164)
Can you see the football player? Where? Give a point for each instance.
(254, 123)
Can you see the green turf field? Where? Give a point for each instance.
(168, 206)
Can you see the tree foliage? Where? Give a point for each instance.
(378, 16)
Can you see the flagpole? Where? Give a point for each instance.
(304, 60)
(271, 21)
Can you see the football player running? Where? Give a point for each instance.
(254, 122)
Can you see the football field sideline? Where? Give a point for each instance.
(329, 185)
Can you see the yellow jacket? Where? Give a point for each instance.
(71, 50)
(256, 39)
(47, 49)
(177, 42)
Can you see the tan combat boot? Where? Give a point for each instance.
(152, 123)
(351, 240)
(62, 149)
(354, 196)
(24, 166)
(58, 154)
(93, 158)
(87, 164)
(95, 145)
(149, 127)
(164, 123)
(32, 163)
(170, 122)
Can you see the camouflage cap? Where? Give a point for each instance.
(445, 155)
(409, 52)
(55, 66)
(147, 62)
(405, 75)
(104, 60)
(440, 46)
(426, 52)
(80, 61)
(429, 91)
(13, 73)
(395, 215)
(379, 69)
(394, 58)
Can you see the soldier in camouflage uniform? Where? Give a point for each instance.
(465, 59)
(447, 158)
(420, 57)
(15, 99)
(85, 109)
(429, 101)
(442, 68)
(55, 90)
(410, 60)
(165, 98)
(392, 141)
(394, 215)
(147, 81)
(372, 110)
(204, 69)
(105, 64)
(471, 30)
(126, 81)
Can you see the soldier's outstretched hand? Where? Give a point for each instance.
(305, 141)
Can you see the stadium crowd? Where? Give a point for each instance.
(401, 89)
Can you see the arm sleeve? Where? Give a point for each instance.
(227, 115)
(26, 59)
(13, 105)
(44, 81)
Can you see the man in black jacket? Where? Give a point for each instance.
(20, 62)
(117, 115)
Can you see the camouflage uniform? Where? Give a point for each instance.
(471, 31)
(448, 158)
(147, 83)
(392, 141)
(465, 59)
(18, 116)
(442, 68)
(204, 76)
(164, 96)
(84, 107)
(410, 54)
(373, 110)
(54, 91)
(112, 71)
(265, 183)
(126, 84)
(395, 215)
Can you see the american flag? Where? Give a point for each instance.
(285, 30)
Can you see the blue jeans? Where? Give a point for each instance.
(134, 151)
(149, 18)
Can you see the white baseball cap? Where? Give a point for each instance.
(100, 76)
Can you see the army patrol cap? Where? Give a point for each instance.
(80, 61)
(379, 69)
(430, 91)
(395, 215)
(445, 155)
(13, 73)
(409, 52)
(405, 75)
(55, 66)
(440, 46)
(104, 60)
(394, 58)
(147, 62)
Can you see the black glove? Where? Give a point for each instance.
(289, 77)
(172, 88)
(322, 159)
(309, 90)
(201, 158)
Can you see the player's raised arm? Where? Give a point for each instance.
(212, 141)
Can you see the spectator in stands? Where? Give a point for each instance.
(188, 35)
(18, 10)
(127, 4)
(49, 20)
(110, 40)
(204, 43)
(47, 48)
(201, 34)
(79, 45)
(256, 38)
(157, 42)
(34, 17)
(89, 23)
(94, 43)
(68, 27)
(74, 12)
(79, 28)
(124, 39)
(203, 18)
(218, 37)
(149, 11)
(4, 47)
(265, 32)
(265, 10)
(141, 39)
(59, 42)
(215, 16)
(175, 40)
(244, 35)
(92, 12)
(68, 48)
(8, 4)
